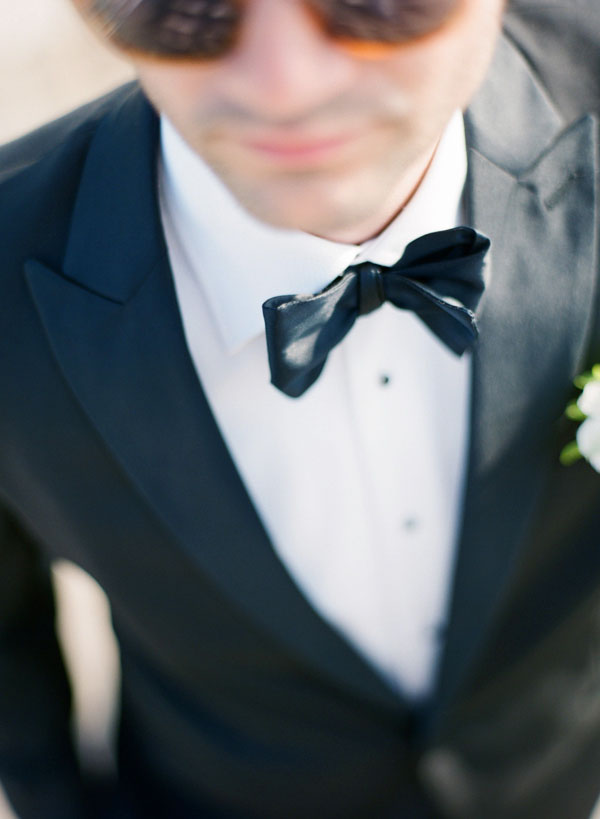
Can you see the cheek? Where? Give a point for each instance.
(465, 40)
(177, 90)
(444, 71)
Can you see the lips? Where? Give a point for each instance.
(294, 149)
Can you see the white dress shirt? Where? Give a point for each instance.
(359, 481)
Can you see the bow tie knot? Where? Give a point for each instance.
(371, 292)
(439, 277)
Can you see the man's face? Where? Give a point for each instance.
(308, 135)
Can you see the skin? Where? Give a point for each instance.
(311, 135)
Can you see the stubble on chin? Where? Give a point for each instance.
(347, 202)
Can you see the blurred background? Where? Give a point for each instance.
(49, 64)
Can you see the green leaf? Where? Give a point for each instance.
(570, 454)
(581, 380)
(574, 413)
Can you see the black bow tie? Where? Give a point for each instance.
(439, 277)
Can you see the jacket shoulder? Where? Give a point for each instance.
(39, 177)
(561, 42)
(66, 135)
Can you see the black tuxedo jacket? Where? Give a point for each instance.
(238, 700)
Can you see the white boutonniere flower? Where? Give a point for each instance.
(586, 410)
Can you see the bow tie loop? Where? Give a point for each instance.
(439, 277)
(370, 286)
(449, 262)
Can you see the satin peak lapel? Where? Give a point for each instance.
(531, 189)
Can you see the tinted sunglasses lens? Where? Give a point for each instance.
(170, 28)
(383, 21)
(207, 28)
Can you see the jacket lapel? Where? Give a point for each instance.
(532, 191)
(113, 323)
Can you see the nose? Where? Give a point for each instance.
(283, 65)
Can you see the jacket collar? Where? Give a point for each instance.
(116, 238)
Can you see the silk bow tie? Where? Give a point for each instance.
(439, 277)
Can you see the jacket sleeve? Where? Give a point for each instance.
(38, 768)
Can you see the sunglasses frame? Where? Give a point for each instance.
(365, 28)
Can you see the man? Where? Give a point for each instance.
(377, 595)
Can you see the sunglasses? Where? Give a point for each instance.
(207, 29)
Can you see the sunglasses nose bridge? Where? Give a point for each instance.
(283, 57)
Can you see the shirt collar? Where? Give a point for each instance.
(241, 262)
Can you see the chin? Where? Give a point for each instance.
(348, 201)
(321, 207)
(320, 220)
